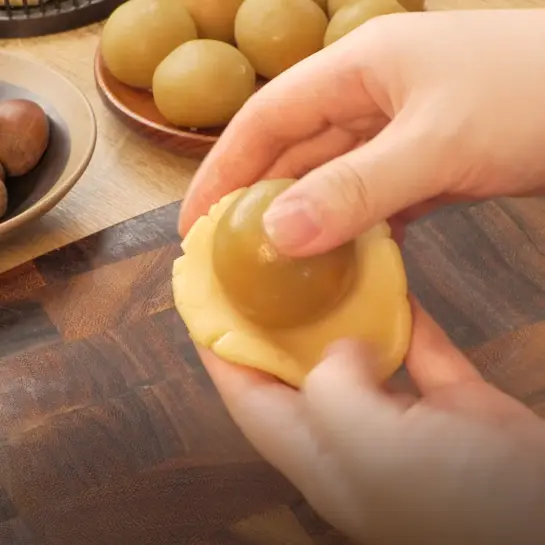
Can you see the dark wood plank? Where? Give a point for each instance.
(515, 363)
(147, 402)
(124, 240)
(24, 323)
(19, 283)
(478, 271)
(161, 508)
(16, 532)
(95, 301)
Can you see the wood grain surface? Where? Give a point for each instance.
(111, 432)
(127, 176)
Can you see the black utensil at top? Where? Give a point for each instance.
(51, 16)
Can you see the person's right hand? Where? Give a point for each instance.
(457, 99)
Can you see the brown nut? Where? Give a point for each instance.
(3, 192)
(24, 135)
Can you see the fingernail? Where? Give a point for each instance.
(291, 224)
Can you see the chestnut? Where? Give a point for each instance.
(24, 135)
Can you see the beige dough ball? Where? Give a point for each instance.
(215, 19)
(140, 34)
(203, 84)
(322, 4)
(276, 34)
(352, 16)
(333, 6)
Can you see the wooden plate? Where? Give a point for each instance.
(137, 110)
(72, 141)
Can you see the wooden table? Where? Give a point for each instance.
(110, 430)
(127, 176)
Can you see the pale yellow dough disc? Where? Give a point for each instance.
(377, 309)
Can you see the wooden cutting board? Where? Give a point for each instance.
(111, 432)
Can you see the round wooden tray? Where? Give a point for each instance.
(137, 110)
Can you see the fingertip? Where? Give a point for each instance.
(192, 208)
(184, 221)
(352, 351)
(343, 397)
(320, 212)
(300, 222)
(291, 224)
(346, 367)
(346, 196)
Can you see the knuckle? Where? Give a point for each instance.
(382, 34)
(385, 44)
(349, 193)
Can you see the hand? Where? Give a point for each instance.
(407, 113)
(464, 463)
(454, 103)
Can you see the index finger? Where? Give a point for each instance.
(321, 91)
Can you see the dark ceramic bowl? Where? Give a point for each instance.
(72, 140)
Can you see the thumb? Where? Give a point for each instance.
(341, 199)
(343, 397)
(433, 361)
